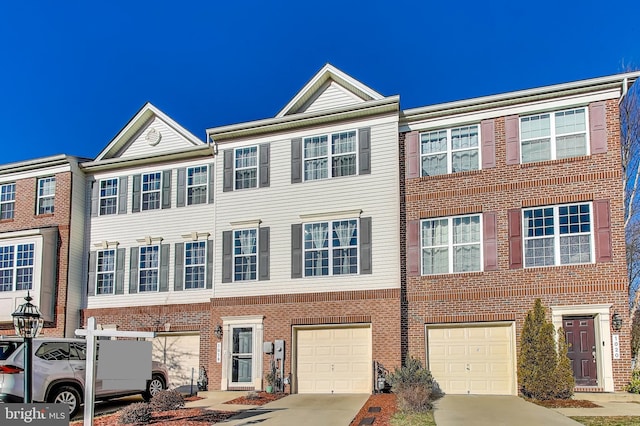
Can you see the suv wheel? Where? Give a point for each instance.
(68, 395)
(154, 387)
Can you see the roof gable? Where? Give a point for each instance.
(149, 132)
(329, 88)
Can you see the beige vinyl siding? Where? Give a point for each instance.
(172, 225)
(333, 96)
(76, 277)
(281, 204)
(170, 140)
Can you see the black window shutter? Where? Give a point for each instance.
(210, 259)
(364, 147)
(122, 194)
(296, 160)
(365, 246)
(178, 276)
(263, 250)
(91, 279)
(164, 267)
(264, 165)
(133, 270)
(95, 198)
(135, 199)
(227, 176)
(182, 187)
(211, 181)
(166, 189)
(296, 250)
(120, 268)
(227, 256)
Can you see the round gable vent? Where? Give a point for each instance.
(153, 137)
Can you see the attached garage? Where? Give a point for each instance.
(333, 359)
(180, 353)
(473, 359)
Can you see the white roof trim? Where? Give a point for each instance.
(145, 113)
(328, 72)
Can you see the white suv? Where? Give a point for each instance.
(59, 373)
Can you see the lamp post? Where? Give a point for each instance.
(27, 322)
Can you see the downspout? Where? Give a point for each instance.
(625, 89)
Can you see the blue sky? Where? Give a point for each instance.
(72, 73)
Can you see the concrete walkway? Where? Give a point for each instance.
(292, 410)
(610, 404)
(480, 410)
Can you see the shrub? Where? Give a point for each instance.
(544, 369)
(414, 386)
(634, 384)
(139, 412)
(167, 400)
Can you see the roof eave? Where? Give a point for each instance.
(39, 163)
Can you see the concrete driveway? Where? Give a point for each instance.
(305, 409)
(485, 410)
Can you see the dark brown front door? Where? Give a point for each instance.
(581, 342)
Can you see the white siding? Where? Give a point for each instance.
(169, 224)
(333, 96)
(170, 140)
(280, 205)
(76, 278)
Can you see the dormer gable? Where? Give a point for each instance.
(150, 132)
(329, 88)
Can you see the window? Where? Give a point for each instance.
(197, 178)
(246, 167)
(195, 257)
(322, 161)
(151, 190)
(331, 248)
(108, 196)
(7, 200)
(149, 268)
(46, 194)
(451, 244)
(245, 258)
(242, 355)
(16, 267)
(551, 136)
(53, 351)
(106, 272)
(449, 150)
(558, 235)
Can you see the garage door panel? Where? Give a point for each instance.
(341, 360)
(472, 359)
(181, 355)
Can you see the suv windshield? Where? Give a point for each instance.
(7, 348)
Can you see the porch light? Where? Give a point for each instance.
(27, 321)
(217, 331)
(616, 321)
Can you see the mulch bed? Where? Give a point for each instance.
(564, 403)
(388, 407)
(257, 398)
(182, 417)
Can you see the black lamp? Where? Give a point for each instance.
(27, 322)
(616, 321)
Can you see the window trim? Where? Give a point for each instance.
(116, 196)
(451, 245)
(329, 156)
(553, 147)
(188, 187)
(11, 202)
(450, 151)
(40, 197)
(14, 268)
(255, 254)
(143, 192)
(330, 247)
(256, 167)
(556, 235)
(156, 268)
(99, 273)
(203, 265)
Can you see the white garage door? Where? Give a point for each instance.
(473, 359)
(334, 360)
(180, 353)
